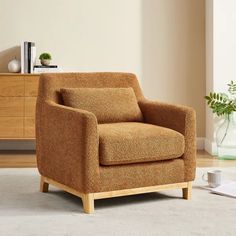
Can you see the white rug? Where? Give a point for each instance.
(24, 211)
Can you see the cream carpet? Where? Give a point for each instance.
(26, 212)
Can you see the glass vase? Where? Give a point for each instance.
(226, 138)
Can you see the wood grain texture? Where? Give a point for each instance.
(88, 198)
(18, 74)
(43, 185)
(11, 106)
(30, 105)
(31, 86)
(187, 192)
(11, 127)
(17, 159)
(11, 86)
(149, 189)
(18, 99)
(29, 127)
(88, 203)
(204, 159)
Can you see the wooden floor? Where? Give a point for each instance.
(28, 159)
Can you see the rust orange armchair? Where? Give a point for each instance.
(98, 137)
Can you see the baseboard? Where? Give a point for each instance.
(207, 145)
(200, 143)
(210, 147)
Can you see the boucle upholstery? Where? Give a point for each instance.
(67, 139)
(141, 174)
(108, 104)
(133, 142)
(179, 118)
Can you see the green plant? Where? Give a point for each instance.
(45, 56)
(221, 103)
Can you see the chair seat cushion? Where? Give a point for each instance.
(133, 142)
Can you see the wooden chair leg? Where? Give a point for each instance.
(88, 203)
(43, 185)
(187, 192)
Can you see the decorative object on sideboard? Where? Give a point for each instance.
(28, 57)
(45, 59)
(46, 69)
(14, 66)
(224, 105)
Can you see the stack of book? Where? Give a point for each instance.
(28, 57)
(46, 69)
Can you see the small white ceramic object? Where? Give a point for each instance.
(45, 62)
(14, 66)
(213, 177)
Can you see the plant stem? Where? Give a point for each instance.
(226, 130)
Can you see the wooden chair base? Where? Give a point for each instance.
(88, 198)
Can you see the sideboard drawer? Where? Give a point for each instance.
(11, 106)
(11, 127)
(12, 86)
(31, 86)
(18, 95)
(30, 105)
(29, 127)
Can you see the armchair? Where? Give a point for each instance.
(93, 159)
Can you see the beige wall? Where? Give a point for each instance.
(174, 53)
(82, 35)
(162, 41)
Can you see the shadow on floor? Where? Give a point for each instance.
(20, 195)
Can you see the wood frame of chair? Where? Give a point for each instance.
(88, 198)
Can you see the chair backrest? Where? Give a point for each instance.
(50, 84)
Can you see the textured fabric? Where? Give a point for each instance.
(67, 139)
(67, 146)
(133, 142)
(108, 104)
(179, 118)
(141, 174)
(49, 88)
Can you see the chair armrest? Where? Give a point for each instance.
(67, 145)
(178, 118)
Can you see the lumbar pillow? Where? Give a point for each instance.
(108, 104)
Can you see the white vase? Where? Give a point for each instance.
(226, 138)
(14, 66)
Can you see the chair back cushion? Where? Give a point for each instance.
(108, 104)
(50, 84)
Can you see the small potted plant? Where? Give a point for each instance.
(45, 58)
(224, 105)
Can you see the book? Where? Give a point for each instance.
(228, 189)
(22, 57)
(33, 58)
(39, 70)
(41, 66)
(25, 57)
(28, 57)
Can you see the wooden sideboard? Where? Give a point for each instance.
(18, 94)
